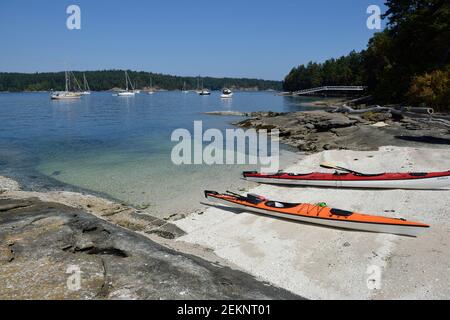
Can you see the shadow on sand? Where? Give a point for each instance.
(425, 139)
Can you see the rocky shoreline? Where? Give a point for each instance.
(122, 253)
(314, 131)
(126, 253)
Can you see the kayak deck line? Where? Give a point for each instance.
(320, 215)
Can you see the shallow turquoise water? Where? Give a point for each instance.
(121, 146)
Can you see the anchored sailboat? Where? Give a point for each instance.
(128, 84)
(86, 88)
(184, 88)
(151, 91)
(67, 94)
(136, 90)
(203, 91)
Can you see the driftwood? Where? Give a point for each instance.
(394, 110)
(424, 115)
(427, 111)
(435, 120)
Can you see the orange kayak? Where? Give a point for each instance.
(318, 214)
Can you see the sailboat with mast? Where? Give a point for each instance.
(198, 85)
(67, 94)
(136, 90)
(127, 92)
(86, 88)
(203, 91)
(184, 88)
(151, 91)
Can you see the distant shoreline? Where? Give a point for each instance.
(161, 90)
(107, 79)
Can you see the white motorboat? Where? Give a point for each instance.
(204, 92)
(226, 93)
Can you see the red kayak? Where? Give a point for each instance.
(431, 180)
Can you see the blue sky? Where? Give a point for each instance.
(246, 38)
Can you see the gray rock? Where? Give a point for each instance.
(313, 131)
(41, 244)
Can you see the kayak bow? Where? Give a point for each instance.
(317, 214)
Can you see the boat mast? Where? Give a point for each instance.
(67, 81)
(128, 80)
(75, 81)
(86, 84)
(131, 84)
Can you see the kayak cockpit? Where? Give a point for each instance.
(369, 174)
(342, 213)
(281, 205)
(418, 174)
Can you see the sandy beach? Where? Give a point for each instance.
(325, 263)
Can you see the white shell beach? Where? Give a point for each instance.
(325, 263)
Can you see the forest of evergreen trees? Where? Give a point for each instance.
(108, 79)
(408, 62)
(345, 71)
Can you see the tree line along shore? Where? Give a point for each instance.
(109, 79)
(408, 62)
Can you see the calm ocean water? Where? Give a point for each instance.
(121, 146)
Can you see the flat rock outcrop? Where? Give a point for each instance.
(43, 242)
(314, 131)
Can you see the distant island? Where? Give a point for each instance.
(109, 79)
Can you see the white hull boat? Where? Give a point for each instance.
(65, 96)
(226, 94)
(127, 92)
